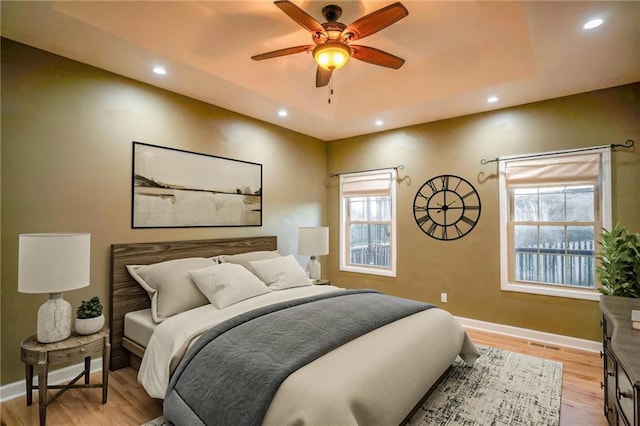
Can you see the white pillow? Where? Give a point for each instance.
(245, 259)
(169, 286)
(227, 283)
(281, 272)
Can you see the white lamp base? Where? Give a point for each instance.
(313, 268)
(54, 319)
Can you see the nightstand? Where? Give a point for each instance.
(74, 349)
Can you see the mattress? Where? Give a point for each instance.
(139, 326)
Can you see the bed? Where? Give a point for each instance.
(379, 376)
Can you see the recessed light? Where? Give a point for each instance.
(283, 113)
(159, 70)
(379, 122)
(492, 99)
(593, 24)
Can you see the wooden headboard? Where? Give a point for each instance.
(127, 295)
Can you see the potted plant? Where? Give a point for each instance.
(89, 318)
(619, 268)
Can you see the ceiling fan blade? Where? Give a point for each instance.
(283, 52)
(375, 21)
(322, 76)
(376, 56)
(300, 16)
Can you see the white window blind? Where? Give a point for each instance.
(566, 168)
(369, 185)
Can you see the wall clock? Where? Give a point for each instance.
(446, 207)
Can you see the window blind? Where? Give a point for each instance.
(369, 185)
(557, 169)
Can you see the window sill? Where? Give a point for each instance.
(368, 271)
(552, 291)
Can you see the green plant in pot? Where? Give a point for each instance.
(89, 318)
(619, 268)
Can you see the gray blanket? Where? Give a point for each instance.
(231, 374)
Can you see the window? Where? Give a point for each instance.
(368, 222)
(552, 209)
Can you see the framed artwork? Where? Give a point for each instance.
(172, 188)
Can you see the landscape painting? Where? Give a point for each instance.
(175, 188)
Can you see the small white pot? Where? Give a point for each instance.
(89, 325)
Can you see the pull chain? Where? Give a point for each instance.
(330, 91)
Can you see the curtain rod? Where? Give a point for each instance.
(400, 167)
(628, 144)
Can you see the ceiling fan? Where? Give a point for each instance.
(333, 39)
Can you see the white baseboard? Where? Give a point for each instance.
(17, 389)
(533, 335)
(66, 374)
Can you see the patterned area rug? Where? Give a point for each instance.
(502, 388)
(157, 422)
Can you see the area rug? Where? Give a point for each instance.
(502, 388)
(160, 421)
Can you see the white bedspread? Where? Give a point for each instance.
(174, 335)
(375, 380)
(394, 365)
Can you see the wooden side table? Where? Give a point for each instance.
(70, 350)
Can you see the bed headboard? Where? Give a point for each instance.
(127, 295)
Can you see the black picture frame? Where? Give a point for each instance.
(174, 188)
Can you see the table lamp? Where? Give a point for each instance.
(53, 263)
(313, 241)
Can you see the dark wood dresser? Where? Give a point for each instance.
(621, 354)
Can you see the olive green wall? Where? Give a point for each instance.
(67, 132)
(468, 269)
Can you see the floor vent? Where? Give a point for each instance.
(542, 345)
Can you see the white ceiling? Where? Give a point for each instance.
(457, 54)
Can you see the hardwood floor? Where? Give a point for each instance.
(128, 403)
(582, 399)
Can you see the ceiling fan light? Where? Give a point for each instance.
(331, 55)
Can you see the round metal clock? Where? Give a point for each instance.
(446, 207)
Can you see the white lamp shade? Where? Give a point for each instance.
(53, 263)
(313, 240)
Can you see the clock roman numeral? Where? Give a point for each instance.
(468, 193)
(458, 231)
(467, 220)
(432, 185)
(432, 229)
(421, 195)
(456, 188)
(445, 181)
(423, 219)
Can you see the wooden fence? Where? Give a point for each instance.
(565, 264)
(370, 255)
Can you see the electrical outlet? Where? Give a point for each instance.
(443, 297)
